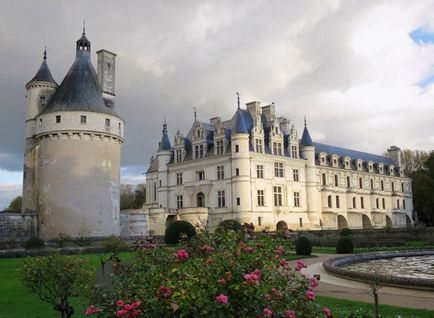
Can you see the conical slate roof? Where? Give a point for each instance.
(80, 90)
(165, 142)
(43, 74)
(242, 122)
(305, 139)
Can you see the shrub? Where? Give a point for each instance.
(56, 278)
(230, 225)
(345, 232)
(175, 231)
(344, 245)
(34, 242)
(303, 246)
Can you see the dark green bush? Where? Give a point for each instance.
(345, 232)
(231, 225)
(174, 231)
(344, 245)
(303, 246)
(33, 242)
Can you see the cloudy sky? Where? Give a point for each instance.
(361, 71)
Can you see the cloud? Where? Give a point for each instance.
(353, 67)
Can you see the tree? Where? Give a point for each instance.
(413, 160)
(139, 196)
(127, 197)
(423, 191)
(15, 205)
(56, 278)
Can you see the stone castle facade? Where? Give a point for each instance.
(72, 148)
(254, 168)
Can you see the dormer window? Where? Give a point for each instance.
(259, 146)
(277, 148)
(220, 147)
(198, 151)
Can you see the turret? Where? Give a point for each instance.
(164, 154)
(394, 153)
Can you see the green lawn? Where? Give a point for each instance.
(16, 301)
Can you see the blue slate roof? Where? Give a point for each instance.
(43, 74)
(305, 138)
(165, 142)
(242, 122)
(353, 154)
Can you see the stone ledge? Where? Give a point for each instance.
(332, 266)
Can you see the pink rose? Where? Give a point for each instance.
(267, 313)
(279, 250)
(181, 255)
(327, 312)
(267, 296)
(313, 283)
(120, 303)
(248, 250)
(310, 295)
(221, 281)
(163, 292)
(290, 314)
(299, 265)
(222, 299)
(253, 277)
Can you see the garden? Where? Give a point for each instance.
(234, 272)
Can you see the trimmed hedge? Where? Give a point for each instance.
(345, 232)
(303, 246)
(174, 231)
(231, 225)
(34, 242)
(344, 245)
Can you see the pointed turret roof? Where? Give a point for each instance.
(80, 90)
(165, 142)
(305, 138)
(43, 74)
(242, 122)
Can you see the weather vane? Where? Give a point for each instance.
(238, 100)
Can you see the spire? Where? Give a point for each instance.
(83, 44)
(165, 142)
(84, 27)
(43, 74)
(305, 138)
(195, 114)
(238, 100)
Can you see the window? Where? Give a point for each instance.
(324, 180)
(377, 203)
(362, 203)
(295, 174)
(237, 148)
(58, 119)
(354, 203)
(237, 172)
(259, 146)
(238, 201)
(220, 172)
(261, 198)
(260, 171)
(107, 122)
(402, 187)
(301, 222)
(338, 204)
(278, 169)
(83, 119)
(382, 185)
(296, 199)
(403, 204)
(220, 147)
(119, 127)
(155, 192)
(40, 122)
(294, 152)
(329, 201)
(348, 182)
(393, 186)
(384, 203)
(160, 183)
(178, 155)
(42, 100)
(278, 196)
(397, 204)
(259, 220)
(336, 181)
(277, 148)
(179, 178)
(372, 184)
(201, 175)
(179, 201)
(360, 183)
(198, 151)
(221, 199)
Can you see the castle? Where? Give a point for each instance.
(72, 148)
(254, 168)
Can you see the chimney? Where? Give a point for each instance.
(106, 74)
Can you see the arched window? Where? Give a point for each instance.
(377, 203)
(403, 204)
(354, 202)
(329, 201)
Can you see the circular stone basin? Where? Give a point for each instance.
(410, 269)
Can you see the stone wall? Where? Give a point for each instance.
(134, 223)
(17, 226)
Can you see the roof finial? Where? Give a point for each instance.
(45, 53)
(195, 114)
(305, 121)
(238, 100)
(84, 26)
(165, 126)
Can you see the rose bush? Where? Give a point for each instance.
(226, 274)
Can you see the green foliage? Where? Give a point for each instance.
(303, 246)
(56, 278)
(33, 242)
(230, 225)
(132, 199)
(139, 196)
(176, 231)
(345, 232)
(15, 205)
(189, 281)
(344, 245)
(423, 189)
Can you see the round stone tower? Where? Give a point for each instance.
(78, 137)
